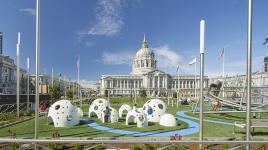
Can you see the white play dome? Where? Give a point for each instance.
(113, 115)
(97, 106)
(135, 116)
(63, 114)
(167, 120)
(154, 109)
(80, 112)
(124, 109)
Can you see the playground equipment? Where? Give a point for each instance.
(63, 114)
(97, 106)
(135, 116)
(109, 115)
(124, 109)
(80, 112)
(154, 108)
(167, 120)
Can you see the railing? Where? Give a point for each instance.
(11, 108)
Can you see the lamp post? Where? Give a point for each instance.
(37, 42)
(18, 75)
(28, 87)
(202, 47)
(249, 70)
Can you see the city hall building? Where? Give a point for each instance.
(146, 75)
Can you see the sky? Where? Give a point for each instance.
(108, 33)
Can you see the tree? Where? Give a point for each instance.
(69, 94)
(54, 93)
(143, 94)
(106, 92)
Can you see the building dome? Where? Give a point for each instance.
(145, 59)
(167, 120)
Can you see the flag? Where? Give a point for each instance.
(257, 72)
(265, 41)
(78, 62)
(178, 66)
(193, 61)
(222, 53)
(60, 74)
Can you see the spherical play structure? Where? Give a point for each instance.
(63, 114)
(167, 120)
(135, 116)
(97, 106)
(109, 115)
(123, 110)
(154, 109)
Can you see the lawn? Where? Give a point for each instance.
(26, 129)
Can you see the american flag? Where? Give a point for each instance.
(222, 53)
(178, 66)
(265, 41)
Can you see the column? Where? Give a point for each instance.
(153, 81)
(127, 84)
(158, 82)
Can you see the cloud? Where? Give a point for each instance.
(108, 19)
(120, 58)
(166, 57)
(89, 43)
(28, 11)
(88, 83)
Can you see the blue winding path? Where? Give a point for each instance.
(182, 114)
(193, 127)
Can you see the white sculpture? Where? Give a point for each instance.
(80, 112)
(63, 114)
(168, 120)
(124, 108)
(97, 106)
(154, 109)
(111, 114)
(135, 116)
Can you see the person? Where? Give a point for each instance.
(106, 114)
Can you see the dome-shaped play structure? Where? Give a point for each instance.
(167, 120)
(97, 106)
(109, 115)
(123, 110)
(63, 114)
(154, 109)
(135, 116)
(80, 112)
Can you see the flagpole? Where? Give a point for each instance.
(178, 89)
(195, 80)
(223, 61)
(52, 78)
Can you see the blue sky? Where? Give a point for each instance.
(108, 33)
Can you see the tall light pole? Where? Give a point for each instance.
(28, 82)
(18, 75)
(37, 48)
(202, 48)
(249, 70)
